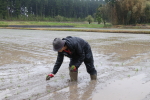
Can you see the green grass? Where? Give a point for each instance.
(4, 24)
(74, 24)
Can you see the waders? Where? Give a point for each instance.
(73, 75)
(93, 77)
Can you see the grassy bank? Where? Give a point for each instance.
(74, 24)
(85, 30)
(5, 24)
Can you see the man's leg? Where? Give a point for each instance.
(91, 70)
(89, 63)
(73, 74)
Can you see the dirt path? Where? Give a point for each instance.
(26, 57)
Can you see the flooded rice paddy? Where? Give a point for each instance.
(26, 57)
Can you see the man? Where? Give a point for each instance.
(78, 50)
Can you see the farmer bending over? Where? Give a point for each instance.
(78, 50)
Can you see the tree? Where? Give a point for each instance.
(48, 8)
(17, 8)
(147, 12)
(4, 9)
(99, 15)
(125, 11)
(102, 14)
(1, 9)
(89, 18)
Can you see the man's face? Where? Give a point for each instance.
(62, 49)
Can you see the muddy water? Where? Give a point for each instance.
(133, 88)
(26, 57)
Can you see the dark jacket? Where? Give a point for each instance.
(77, 47)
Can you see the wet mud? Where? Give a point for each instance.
(26, 57)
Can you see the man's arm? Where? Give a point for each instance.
(58, 63)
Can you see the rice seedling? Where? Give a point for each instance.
(10, 88)
(30, 98)
(62, 77)
(55, 80)
(10, 77)
(48, 91)
(101, 63)
(2, 79)
(129, 76)
(6, 96)
(137, 70)
(17, 92)
(38, 94)
(146, 66)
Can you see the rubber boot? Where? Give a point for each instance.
(73, 76)
(93, 77)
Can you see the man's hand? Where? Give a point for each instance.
(49, 76)
(73, 68)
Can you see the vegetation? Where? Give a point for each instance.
(90, 19)
(47, 9)
(116, 12)
(125, 12)
(75, 24)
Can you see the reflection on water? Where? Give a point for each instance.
(72, 92)
(86, 91)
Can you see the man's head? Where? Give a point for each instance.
(58, 44)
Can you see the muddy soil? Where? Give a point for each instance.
(26, 57)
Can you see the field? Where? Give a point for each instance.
(121, 60)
